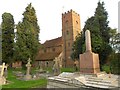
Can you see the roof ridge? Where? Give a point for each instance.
(53, 39)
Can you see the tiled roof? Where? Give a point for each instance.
(53, 42)
(48, 44)
(47, 56)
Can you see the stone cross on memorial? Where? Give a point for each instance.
(28, 65)
(28, 76)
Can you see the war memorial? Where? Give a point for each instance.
(89, 76)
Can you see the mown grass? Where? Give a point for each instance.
(67, 70)
(41, 83)
(62, 69)
(15, 83)
(106, 68)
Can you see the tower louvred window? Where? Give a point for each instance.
(67, 32)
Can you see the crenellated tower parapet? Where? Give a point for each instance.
(71, 11)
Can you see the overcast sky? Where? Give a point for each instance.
(49, 13)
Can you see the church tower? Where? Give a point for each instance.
(70, 29)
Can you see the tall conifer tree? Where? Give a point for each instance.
(7, 37)
(27, 36)
(102, 17)
(98, 26)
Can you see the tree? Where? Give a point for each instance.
(0, 45)
(115, 42)
(102, 16)
(30, 20)
(115, 55)
(98, 26)
(7, 37)
(92, 24)
(78, 46)
(27, 36)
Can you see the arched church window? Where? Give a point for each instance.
(76, 22)
(66, 21)
(67, 32)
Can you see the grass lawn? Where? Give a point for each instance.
(15, 83)
(62, 69)
(67, 70)
(40, 83)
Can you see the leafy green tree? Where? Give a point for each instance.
(112, 37)
(0, 45)
(115, 55)
(115, 63)
(27, 36)
(78, 46)
(7, 37)
(115, 42)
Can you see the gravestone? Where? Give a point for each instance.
(56, 66)
(41, 66)
(3, 70)
(89, 61)
(17, 64)
(28, 76)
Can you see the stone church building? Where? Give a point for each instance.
(62, 46)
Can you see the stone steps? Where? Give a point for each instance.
(98, 82)
(97, 85)
(99, 79)
(103, 81)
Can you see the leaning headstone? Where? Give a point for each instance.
(2, 70)
(56, 66)
(40, 66)
(28, 76)
(2, 74)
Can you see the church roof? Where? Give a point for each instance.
(53, 42)
(47, 56)
(50, 44)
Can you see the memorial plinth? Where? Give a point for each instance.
(89, 61)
